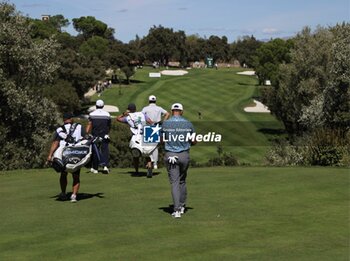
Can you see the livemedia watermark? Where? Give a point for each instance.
(154, 134)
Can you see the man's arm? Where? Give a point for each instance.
(88, 127)
(54, 146)
(148, 120)
(122, 118)
(166, 116)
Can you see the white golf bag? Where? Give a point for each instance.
(138, 147)
(72, 157)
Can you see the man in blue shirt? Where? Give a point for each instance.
(178, 136)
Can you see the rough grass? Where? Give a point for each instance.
(240, 213)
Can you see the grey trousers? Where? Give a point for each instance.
(155, 156)
(177, 174)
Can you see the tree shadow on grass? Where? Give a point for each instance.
(80, 196)
(135, 81)
(272, 131)
(140, 174)
(170, 209)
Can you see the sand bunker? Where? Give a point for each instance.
(108, 108)
(247, 73)
(259, 107)
(174, 72)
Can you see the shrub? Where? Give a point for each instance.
(323, 147)
(326, 147)
(284, 154)
(224, 159)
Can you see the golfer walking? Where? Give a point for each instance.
(155, 113)
(99, 125)
(176, 130)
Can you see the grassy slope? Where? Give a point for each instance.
(234, 214)
(220, 95)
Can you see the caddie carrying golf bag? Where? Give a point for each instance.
(73, 155)
(138, 147)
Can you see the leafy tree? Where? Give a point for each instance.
(128, 72)
(58, 21)
(181, 53)
(268, 58)
(68, 42)
(313, 90)
(81, 71)
(95, 46)
(336, 106)
(63, 94)
(45, 29)
(245, 49)
(25, 65)
(218, 48)
(18, 51)
(135, 46)
(89, 26)
(160, 44)
(193, 48)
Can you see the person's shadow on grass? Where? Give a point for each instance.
(170, 209)
(141, 174)
(80, 196)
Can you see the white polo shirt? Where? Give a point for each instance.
(154, 112)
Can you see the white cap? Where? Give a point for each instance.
(100, 104)
(152, 98)
(177, 106)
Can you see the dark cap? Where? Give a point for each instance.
(132, 107)
(67, 115)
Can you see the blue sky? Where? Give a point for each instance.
(262, 18)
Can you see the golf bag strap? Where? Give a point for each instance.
(72, 128)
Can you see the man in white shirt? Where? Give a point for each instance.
(155, 113)
(136, 121)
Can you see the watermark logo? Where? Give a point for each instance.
(151, 134)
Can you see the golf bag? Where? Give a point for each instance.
(72, 155)
(139, 148)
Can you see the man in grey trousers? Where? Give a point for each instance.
(178, 138)
(155, 113)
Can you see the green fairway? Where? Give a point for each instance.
(220, 96)
(251, 213)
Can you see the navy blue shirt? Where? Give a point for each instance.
(101, 122)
